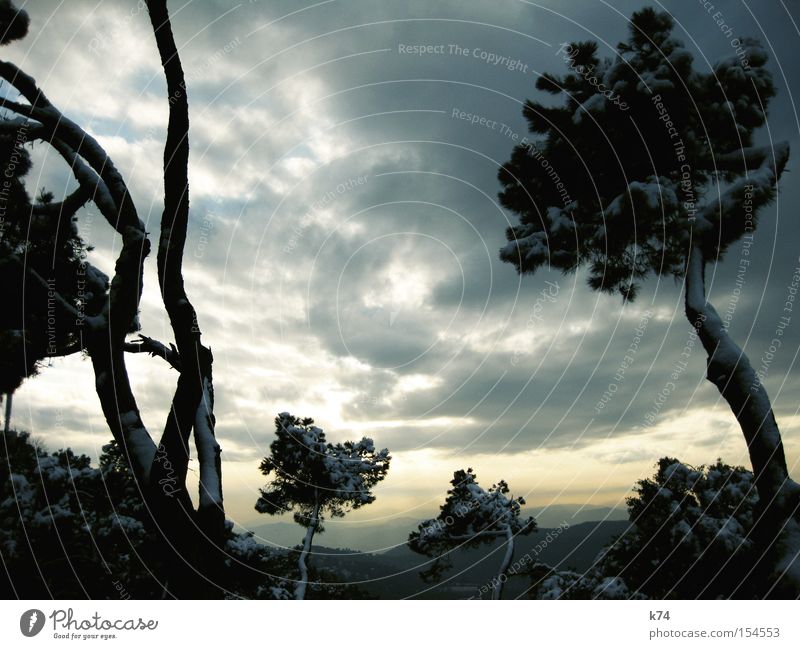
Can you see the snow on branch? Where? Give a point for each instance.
(308, 469)
(316, 478)
(618, 190)
(471, 516)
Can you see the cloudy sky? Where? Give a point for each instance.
(343, 248)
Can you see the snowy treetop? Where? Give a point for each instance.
(470, 516)
(307, 469)
(643, 148)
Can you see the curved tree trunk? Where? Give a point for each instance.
(210, 510)
(192, 404)
(192, 541)
(302, 562)
(497, 592)
(730, 371)
(7, 424)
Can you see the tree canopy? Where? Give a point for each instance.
(43, 255)
(692, 535)
(618, 176)
(307, 470)
(471, 516)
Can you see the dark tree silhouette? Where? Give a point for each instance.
(69, 530)
(315, 478)
(691, 537)
(192, 538)
(14, 23)
(41, 251)
(660, 176)
(472, 516)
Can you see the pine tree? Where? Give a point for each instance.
(470, 517)
(41, 254)
(691, 537)
(648, 167)
(315, 478)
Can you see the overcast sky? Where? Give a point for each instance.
(343, 245)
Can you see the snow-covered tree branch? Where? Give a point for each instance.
(692, 534)
(472, 516)
(316, 478)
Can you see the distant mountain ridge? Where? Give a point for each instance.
(385, 536)
(395, 574)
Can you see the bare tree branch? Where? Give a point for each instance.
(66, 208)
(126, 286)
(192, 406)
(153, 347)
(105, 341)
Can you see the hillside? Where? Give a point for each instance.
(394, 574)
(383, 536)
